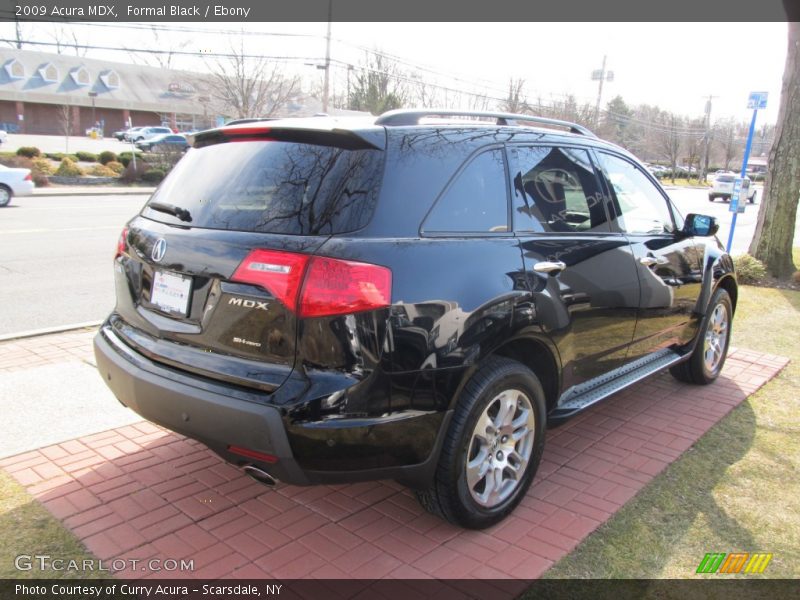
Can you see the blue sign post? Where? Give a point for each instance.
(756, 101)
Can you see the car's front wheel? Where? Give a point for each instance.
(5, 195)
(492, 448)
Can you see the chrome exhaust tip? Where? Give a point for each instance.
(260, 476)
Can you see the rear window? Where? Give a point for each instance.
(725, 178)
(272, 187)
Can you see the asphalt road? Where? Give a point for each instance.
(696, 201)
(55, 259)
(55, 253)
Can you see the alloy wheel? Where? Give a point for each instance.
(500, 448)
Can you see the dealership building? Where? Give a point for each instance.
(39, 91)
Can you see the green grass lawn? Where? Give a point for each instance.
(27, 528)
(737, 489)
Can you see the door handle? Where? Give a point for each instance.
(547, 266)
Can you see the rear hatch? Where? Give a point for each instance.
(209, 273)
(724, 183)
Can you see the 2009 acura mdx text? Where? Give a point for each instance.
(410, 297)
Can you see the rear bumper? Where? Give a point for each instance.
(23, 188)
(339, 451)
(211, 417)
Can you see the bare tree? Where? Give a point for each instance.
(694, 147)
(66, 38)
(64, 115)
(244, 86)
(568, 109)
(515, 101)
(669, 139)
(425, 94)
(774, 236)
(167, 45)
(478, 102)
(725, 135)
(20, 33)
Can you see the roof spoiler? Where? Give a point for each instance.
(338, 138)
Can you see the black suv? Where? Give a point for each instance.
(410, 297)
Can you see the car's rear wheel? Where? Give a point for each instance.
(711, 198)
(711, 349)
(5, 195)
(492, 448)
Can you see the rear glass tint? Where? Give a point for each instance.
(272, 187)
(725, 178)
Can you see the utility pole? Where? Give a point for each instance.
(326, 85)
(600, 75)
(707, 136)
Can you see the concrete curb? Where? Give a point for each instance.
(47, 193)
(47, 331)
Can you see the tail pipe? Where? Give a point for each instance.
(260, 476)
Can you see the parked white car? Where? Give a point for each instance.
(723, 188)
(3, 136)
(14, 182)
(147, 132)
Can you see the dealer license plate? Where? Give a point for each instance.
(171, 292)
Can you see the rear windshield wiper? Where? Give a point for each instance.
(171, 209)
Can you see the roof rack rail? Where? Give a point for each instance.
(404, 117)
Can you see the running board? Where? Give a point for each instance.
(581, 397)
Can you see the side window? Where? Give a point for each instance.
(476, 201)
(555, 190)
(639, 207)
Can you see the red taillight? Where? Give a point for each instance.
(317, 286)
(122, 243)
(254, 454)
(334, 287)
(29, 177)
(279, 272)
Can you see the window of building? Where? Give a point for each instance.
(49, 73)
(80, 75)
(476, 202)
(555, 190)
(110, 79)
(15, 69)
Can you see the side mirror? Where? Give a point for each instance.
(700, 225)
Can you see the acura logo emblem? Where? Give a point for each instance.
(159, 250)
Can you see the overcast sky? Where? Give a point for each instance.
(674, 65)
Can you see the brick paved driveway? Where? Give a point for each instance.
(140, 492)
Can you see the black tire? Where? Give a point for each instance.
(450, 496)
(711, 198)
(753, 198)
(696, 369)
(5, 195)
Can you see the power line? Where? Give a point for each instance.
(173, 52)
(479, 83)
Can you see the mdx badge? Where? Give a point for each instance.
(248, 303)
